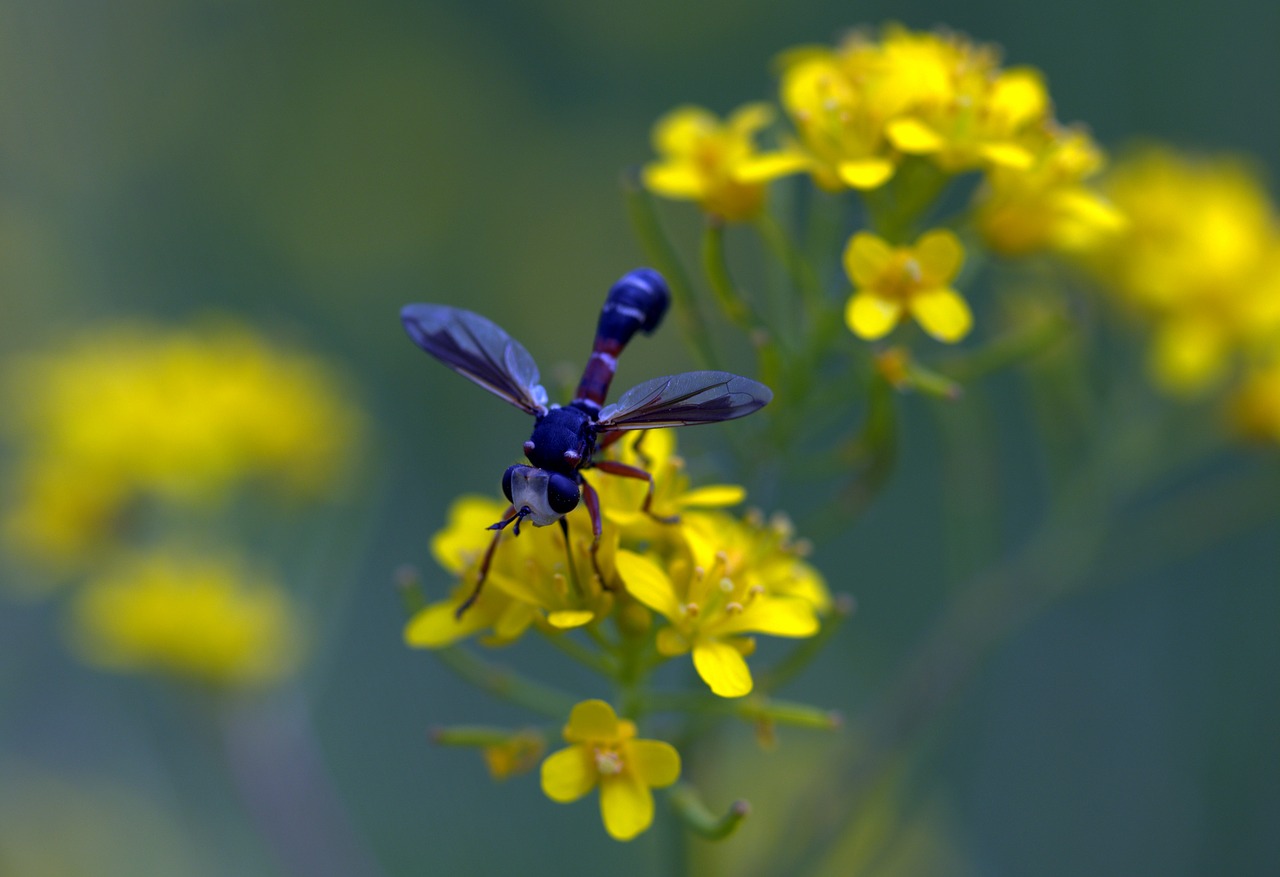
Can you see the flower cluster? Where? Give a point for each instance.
(133, 444)
(902, 113)
(712, 578)
(685, 577)
(1200, 262)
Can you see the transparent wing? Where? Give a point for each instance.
(685, 399)
(477, 349)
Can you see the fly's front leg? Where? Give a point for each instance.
(484, 565)
(625, 471)
(592, 499)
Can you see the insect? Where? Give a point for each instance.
(566, 438)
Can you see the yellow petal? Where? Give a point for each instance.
(1006, 154)
(646, 581)
(435, 626)
(671, 642)
(592, 720)
(913, 136)
(776, 616)
(1018, 96)
(866, 258)
(940, 256)
(656, 763)
(714, 496)
(681, 130)
(513, 620)
(722, 667)
(680, 180)
(870, 316)
(626, 805)
(866, 173)
(569, 774)
(770, 166)
(567, 619)
(942, 313)
(465, 536)
(750, 118)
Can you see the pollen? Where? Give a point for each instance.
(733, 608)
(608, 762)
(726, 585)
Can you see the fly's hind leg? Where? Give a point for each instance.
(623, 470)
(592, 500)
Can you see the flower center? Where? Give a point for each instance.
(608, 761)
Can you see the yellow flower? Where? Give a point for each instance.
(621, 499)
(189, 614)
(184, 416)
(518, 754)
(606, 753)
(841, 132)
(716, 163)
(713, 598)
(891, 282)
(859, 107)
(530, 578)
(1048, 205)
(1199, 259)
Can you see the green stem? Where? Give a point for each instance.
(564, 642)
(660, 251)
(507, 684)
(735, 306)
(699, 819)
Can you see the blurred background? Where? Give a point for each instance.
(297, 172)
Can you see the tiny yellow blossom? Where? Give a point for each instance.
(716, 163)
(517, 755)
(188, 614)
(606, 754)
(712, 609)
(1048, 205)
(890, 282)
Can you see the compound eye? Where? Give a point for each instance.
(506, 481)
(562, 493)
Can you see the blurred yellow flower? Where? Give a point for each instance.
(1047, 205)
(716, 163)
(1199, 259)
(189, 614)
(181, 416)
(606, 754)
(518, 754)
(861, 106)
(890, 282)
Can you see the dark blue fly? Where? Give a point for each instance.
(565, 438)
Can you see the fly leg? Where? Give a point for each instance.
(592, 500)
(622, 469)
(508, 516)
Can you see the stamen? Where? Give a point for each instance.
(608, 762)
(726, 585)
(733, 608)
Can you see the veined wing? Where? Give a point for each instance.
(685, 399)
(478, 349)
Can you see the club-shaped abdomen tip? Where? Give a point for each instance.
(647, 290)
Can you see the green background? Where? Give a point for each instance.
(313, 166)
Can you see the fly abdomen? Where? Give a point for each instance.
(636, 303)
